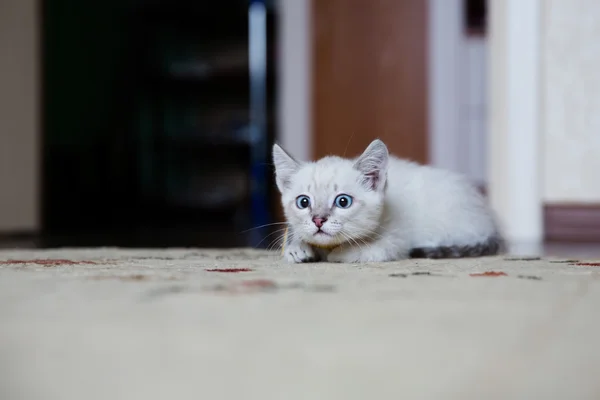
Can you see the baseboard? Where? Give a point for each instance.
(19, 239)
(19, 235)
(572, 222)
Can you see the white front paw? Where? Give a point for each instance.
(299, 252)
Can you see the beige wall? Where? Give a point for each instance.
(570, 115)
(19, 117)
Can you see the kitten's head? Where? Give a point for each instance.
(333, 200)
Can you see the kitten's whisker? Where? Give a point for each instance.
(365, 232)
(363, 241)
(351, 239)
(369, 232)
(362, 229)
(275, 243)
(347, 239)
(270, 234)
(263, 226)
(279, 241)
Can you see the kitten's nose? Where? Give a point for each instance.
(319, 221)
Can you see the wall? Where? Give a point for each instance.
(570, 117)
(19, 116)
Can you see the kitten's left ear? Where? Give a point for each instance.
(373, 164)
(285, 167)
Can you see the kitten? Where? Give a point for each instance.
(380, 208)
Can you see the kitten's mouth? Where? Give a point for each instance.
(323, 240)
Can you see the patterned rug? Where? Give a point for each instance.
(194, 323)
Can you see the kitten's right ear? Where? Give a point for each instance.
(285, 167)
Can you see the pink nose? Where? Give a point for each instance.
(319, 221)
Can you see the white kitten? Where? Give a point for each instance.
(380, 208)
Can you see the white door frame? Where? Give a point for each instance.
(295, 77)
(514, 98)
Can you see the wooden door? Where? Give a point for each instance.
(370, 76)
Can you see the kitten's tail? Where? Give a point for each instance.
(492, 246)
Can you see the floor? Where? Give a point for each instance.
(231, 324)
(562, 249)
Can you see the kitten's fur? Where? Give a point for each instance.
(400, 209)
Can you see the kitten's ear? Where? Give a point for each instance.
(285, 167)
(373, 164)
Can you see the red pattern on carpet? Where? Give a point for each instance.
(47, 262)
(492, 274)
(230, 270)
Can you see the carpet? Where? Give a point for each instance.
(240, 324)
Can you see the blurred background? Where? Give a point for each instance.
(149, 123)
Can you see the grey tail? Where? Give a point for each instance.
(492, 246)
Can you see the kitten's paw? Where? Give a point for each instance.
(299, 252)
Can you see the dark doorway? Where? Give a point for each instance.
(156, 128)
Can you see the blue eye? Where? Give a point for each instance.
(302, 201)
(343, 201)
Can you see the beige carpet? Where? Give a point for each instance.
(112, 324)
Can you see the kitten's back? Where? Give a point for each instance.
(446, 215)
